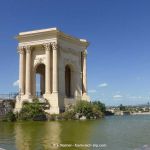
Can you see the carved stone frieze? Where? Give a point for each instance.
(20, 49)
(39, 60)
(84, 53)
(54, 45)
(47, 46)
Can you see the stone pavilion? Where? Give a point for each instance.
(60, 60)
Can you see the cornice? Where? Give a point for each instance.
(72, 39)
(52, 33)
(38, 31)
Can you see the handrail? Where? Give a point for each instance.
(8, 96)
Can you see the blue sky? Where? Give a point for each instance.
(119, 36)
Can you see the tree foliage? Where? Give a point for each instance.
(122, 108)
(100, 106)
(10, 116)
(30, 110)
(89, 109)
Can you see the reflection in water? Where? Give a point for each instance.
(117, 132)
(36, 135)
(7, 138)
(52, 135)
(45, 135)
(76, 132)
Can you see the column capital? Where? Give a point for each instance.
(20, 49)
(54, 45)
(84, 53)
(28, 48)
(46, 46)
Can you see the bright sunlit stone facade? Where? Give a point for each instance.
(60, 59)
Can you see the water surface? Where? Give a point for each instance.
(110, 133)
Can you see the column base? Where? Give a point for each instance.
(53, 110)
(85, 97)
(54, 95)
(27, 97)
(18, 104)
(54, 103)
(46, 96)
(19, 101)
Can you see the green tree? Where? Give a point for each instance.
(84, 108)
(100, 106)
(89, 109)
(122, 108)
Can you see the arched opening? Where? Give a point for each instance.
(68, 81)
(40, 80)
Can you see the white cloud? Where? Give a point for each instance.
(117, 96)
(139, 97)
(16, 83)
(92, 91)
(103, 85)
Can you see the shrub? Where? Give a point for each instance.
(35, 111)
(29, 111)
(53, 117)
(68, 115)
(10, 116)
(84, 108)
(97, 113)
(100, 106)
(88, 109)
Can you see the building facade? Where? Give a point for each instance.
(60, 60)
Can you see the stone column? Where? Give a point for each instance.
(54, 98)
(28, 71)
(47, 71)
(21, 70)
(84, 55)
(55, 71)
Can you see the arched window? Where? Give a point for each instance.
(68, 81)
(40, 80)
